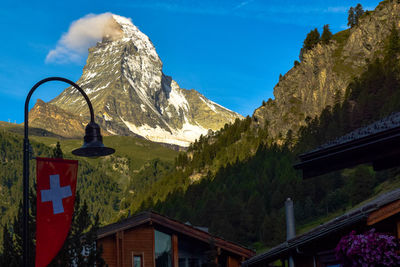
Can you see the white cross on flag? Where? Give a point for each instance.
(56, 184)
(56, 194)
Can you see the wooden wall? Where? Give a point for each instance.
(139, 241)
(119, 248)
(109, 250)
(233, 262)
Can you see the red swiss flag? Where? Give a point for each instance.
(56, 184)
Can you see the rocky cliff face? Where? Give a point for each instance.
(131, 95)
(326, 70)
(47, 116)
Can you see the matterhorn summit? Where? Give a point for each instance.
(131, 95)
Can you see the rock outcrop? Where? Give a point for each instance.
(56, 120)
(326, 71)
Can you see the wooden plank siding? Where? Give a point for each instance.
(175, 251)
(233, 262)
(398, 228)
(119, 249)
(139, 240)
(109, 246)
(384, 212)
(134, 236)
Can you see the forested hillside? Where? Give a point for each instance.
(101, 182)
(97, 187)
(248, 176)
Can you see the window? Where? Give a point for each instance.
(194, 263)
(186, 262)
(182, 262)
(163, 249)
(192, 253)
(137, 261)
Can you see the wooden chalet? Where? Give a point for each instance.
(316, 247)
(149, 239)
(377, 144)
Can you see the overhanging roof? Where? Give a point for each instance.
(350, 218)
(377, 143)
(176, 226)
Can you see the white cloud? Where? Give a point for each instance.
(337, 9)
(82, 34)
(244, 3)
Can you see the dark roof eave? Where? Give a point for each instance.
(352, 217)
(375, 149)
(110, 229)
(292, 244)
(152, 217)
(351, 143)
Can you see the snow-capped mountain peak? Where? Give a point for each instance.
(133, 34)
(131, 95)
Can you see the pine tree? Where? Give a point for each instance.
(312, 39)
(11, 251)
(360, 184)
(57, 152)
(355, 14)
(12, 239)
(358, 11)
(392, 46)
(82, 236)
(80, 246)
(326, 34)
(351, 18)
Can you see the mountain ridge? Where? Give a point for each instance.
(131, 95)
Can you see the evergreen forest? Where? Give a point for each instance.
(247, 176)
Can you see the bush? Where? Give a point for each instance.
(368, 249)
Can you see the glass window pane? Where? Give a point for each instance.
(194, 263)
(163, 249)
(182, 262)
(137, 261)
(192, 253)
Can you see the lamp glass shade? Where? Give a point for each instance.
(93, 143)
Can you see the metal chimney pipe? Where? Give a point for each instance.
(290, 226)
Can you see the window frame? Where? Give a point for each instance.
(170, 235)
(137, 254)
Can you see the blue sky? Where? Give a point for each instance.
(232, 51)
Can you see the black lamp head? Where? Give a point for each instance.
(93, 143)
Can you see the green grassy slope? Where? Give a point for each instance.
(139, 151)
(102, 182)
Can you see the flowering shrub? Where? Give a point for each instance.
(368, 249)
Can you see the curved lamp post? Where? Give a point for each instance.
(92, 147)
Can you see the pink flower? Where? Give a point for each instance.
(368, 249)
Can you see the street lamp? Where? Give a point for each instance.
(92, 147)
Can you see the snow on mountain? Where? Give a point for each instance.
(131, 95)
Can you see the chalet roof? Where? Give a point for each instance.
(352, 217)
(377, 143)
(153, 218)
